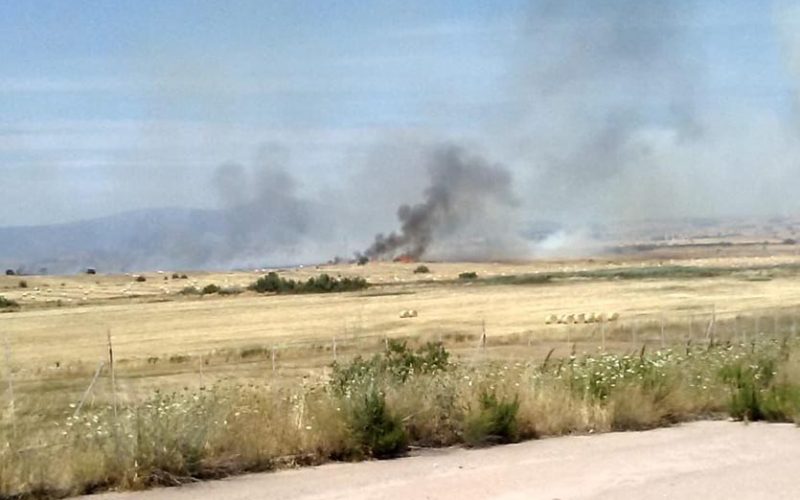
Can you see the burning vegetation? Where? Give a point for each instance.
(463, 189)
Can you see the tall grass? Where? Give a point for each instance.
(377, 407)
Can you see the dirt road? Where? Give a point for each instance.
(708, 460)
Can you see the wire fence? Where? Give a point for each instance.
(288, 359)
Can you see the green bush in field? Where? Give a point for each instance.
(470, 275)
(422, 269)
(209, 289)
(324, 283)
(7, 303)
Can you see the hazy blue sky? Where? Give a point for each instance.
(113, 105)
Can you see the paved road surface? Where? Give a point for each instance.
(706, 460)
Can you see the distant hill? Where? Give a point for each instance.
(165, 238)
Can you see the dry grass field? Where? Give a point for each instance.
(164, 340)
(66, 319)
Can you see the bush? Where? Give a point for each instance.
(471, 275)
(757, 395)
(324, 283)
(494, 422)
(230, 290)
(175, 276)
(422, 269)
(396, 364)
(190, 290)
(140, 279)
(210, 288)
(379, 433)
(7, 303)
(23, 284)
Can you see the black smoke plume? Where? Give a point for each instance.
(463, 188)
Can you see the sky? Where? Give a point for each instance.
(689, 107)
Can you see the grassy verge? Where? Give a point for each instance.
(752, 273)
(378, 406)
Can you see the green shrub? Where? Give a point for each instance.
(495, 421)
(175, 276)
(140, 279)
(324, 283)
(230, 290)
(755, 392)
(7, 303)
(190, 290)
(23, 284)
(470, 275)
(209, 289)
(380, 434)
(422, 269)
(395, 364)
(252, 352)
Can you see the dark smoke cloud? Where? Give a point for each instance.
(463, 189)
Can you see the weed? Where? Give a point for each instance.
(494, 421)
(379, 433)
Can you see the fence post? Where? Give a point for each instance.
(603, 336)
(202, 382)
(111, 369)
(10, 376)
(744, 335)
(88, 389)
(775, 324)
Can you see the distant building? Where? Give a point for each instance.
(91, 270)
